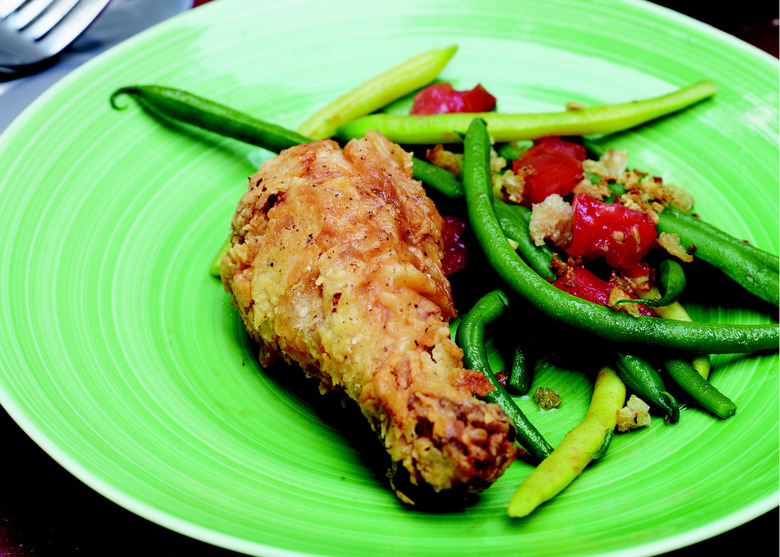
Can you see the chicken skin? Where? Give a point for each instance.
(335, 265)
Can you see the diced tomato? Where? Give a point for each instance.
(550, 166)
(620, 235)
(441, 98)
(579, 281)
(455, 249)
(636, 270)
(551, 143)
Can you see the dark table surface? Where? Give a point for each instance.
(47, 512)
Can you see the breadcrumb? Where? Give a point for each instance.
(509, 187)
(452, 162)
(598, 191)
(650, 193)
(496, 163)
(671, 243)
(610, 166)
(635, 284)
(552, 219)
(634, 415)
(618, 294)
(644, 193)
(680, 198)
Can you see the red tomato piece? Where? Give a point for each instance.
(441, 98)
(574, 150)
(579, 281)
(455, 249)
(620, 235)
(478, 100)
(548, 168)
(637, 270)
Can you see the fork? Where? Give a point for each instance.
(34, 32)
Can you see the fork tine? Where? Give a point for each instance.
(54, 13)
(28, 12)
(75, 22)
(9, 6)
(28, 50)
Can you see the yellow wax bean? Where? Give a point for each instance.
(377, 92)
(604, 119)
(576, 450)
(703, 365)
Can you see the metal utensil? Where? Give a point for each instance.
(34, 32)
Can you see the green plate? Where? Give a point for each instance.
(124, 360)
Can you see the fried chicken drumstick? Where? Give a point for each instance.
(335, 265)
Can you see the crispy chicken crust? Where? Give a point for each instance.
(335, 265)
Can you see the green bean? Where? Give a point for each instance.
(471, 339)
(443, 181)
(671, 279)
(448, 128)
(209, 115)
(520, 375)
(730, 258)
(203, 113)
(514, 149)
(645, 381)
(580, 314)
(514, 221)
(214, 117)
(768, 260)
(605, 445)
(702, 363)
(377, 92)
(701, 390)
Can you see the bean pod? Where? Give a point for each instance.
(700, 390)
(645, 381)
(580, 446)
(449, 128)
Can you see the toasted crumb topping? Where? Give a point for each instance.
(610, 166)
(634, 415)
(452, 162)
(618, 294)
(599, 190)
(650, 193)
(552, 219)
(671, 243)
(508, 186)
